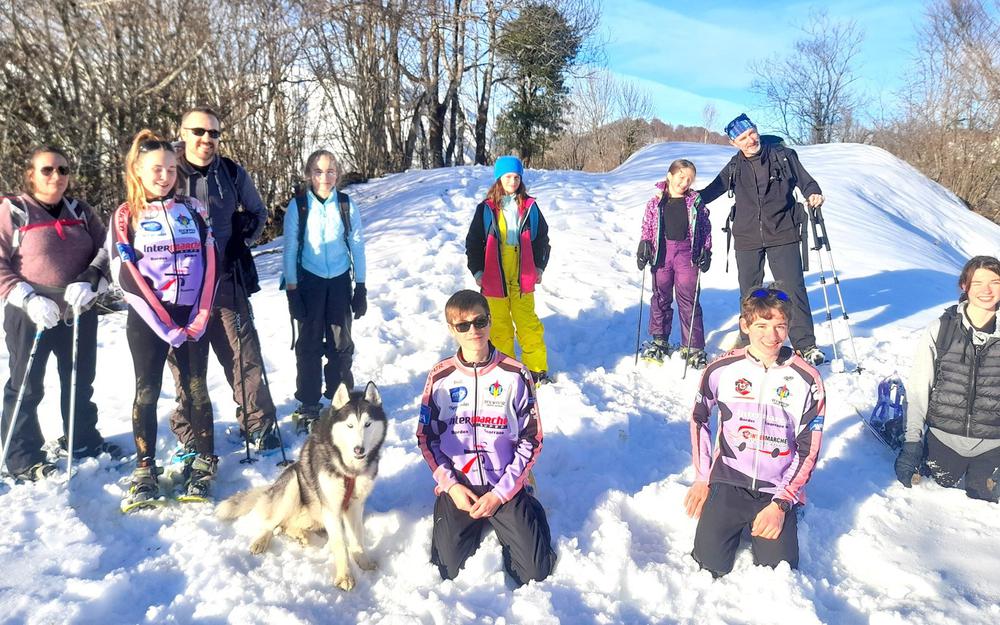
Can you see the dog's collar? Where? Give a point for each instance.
(348, 493)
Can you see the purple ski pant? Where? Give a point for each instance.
(676, 274)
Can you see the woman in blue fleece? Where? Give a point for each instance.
(324, 258)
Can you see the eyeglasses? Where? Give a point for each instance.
(479, 322)
(198, 132)
(152, 145)
(48, 170)
(763, 293)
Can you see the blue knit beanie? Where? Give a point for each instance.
(507, 165)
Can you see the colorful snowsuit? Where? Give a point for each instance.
(674, 267)
(509, 275)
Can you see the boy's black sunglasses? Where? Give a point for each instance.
(479, 322)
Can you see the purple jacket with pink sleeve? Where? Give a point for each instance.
(699, 226)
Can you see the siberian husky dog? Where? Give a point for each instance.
(328, 485)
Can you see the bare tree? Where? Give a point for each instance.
(709, 115)
(810, 91)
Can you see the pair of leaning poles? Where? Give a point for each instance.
(72, 395)
(821, 242)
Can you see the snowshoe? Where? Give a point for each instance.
(888, 418)
(540, 378)
(36, 472)
(304, 417)
(814, 356)
(695, 357)
(198, 482)
(93, 451)
(143, 491)
(655, 351)
(266, 440)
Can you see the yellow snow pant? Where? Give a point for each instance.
(516, 312)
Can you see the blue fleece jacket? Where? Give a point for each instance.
(324, 252)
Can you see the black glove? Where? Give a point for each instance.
(908, 462)
(704, 261)
(244, 224)
(296, 305)
(359, 303)
(91, 275)
(644, 255)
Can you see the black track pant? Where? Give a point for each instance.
(728, 511)
(27, 440)
(326, 331)
(228, 328)
(149, 354)
(785, 262)
(520, 525)
(948, 467)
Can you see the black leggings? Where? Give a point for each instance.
(149, 354)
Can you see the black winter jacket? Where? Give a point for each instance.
(764, 218)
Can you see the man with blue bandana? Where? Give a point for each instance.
(764, 224)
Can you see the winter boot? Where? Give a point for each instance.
(143, 490)
(265, 440)
(696, 358)
(657, 350)
(198, 484)
(814, 356)
(304, 417)
(36, 472)
(540, 378)
(93, 451)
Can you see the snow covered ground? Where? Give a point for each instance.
(616, 458)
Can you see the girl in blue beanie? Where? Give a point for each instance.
(507, 249)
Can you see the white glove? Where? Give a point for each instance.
(42, 311)
(79, 295)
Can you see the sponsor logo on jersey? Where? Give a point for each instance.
(184, 220)
(743, 386)
(458, 393)
(783, 392)
(425, 414)
(151, 226)
(495, 389)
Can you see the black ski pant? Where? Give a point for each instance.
(27, 440)
(728, 511)
(947, 468)
(325, 331)
(228, 329)
(785, 262)
(149, 354)
(520, 525)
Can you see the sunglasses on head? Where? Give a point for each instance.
(479, 322)
(152, 145)
(49, 169)
(762, 293)
(198, 132)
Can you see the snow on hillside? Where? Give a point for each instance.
(615, 464)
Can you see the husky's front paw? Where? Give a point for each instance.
(261, 544)
(344, 582)
(364, 561)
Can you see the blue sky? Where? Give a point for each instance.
(685, 54)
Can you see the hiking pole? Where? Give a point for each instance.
(694, 306)
(243, 379)
(72, 394)
(638, 328)
(20, 396)
(818, 218)
(260, 353)
(819, 240)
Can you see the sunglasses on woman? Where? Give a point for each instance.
(49, 169)
(152, 145)
(479, 322)
(199, 132)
